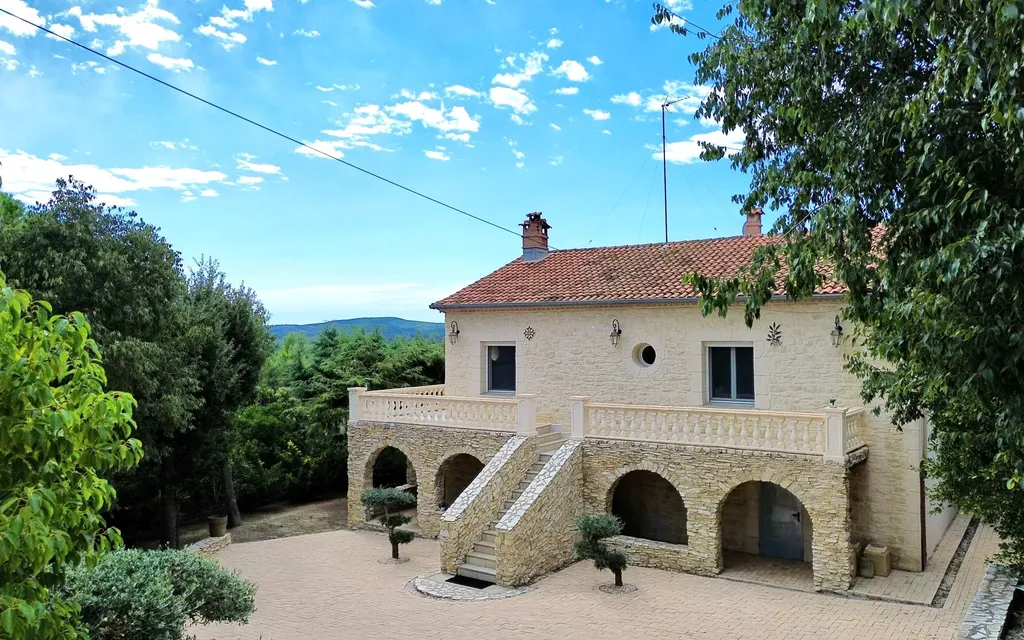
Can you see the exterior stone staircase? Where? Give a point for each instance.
(480, 562)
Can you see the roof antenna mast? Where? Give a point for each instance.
(664, 158)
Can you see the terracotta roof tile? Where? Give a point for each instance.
(610, 274)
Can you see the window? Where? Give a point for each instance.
(501, 368)
(731, 374)
(644, 354)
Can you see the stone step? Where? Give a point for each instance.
(543, 458)
(480, 573)
(548, 439)
(483, 546)
(478, 559)
(490, 535)
(523, 485)
(544, 430)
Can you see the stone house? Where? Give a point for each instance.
(586, 380)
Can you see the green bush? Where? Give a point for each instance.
(392, 501)
(154, 595)
(590, 546)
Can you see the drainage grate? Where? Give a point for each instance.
(472, 583)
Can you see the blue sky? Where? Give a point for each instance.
(499, 107)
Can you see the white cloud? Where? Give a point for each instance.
(517, 119)
(459, 137)
(567, 91)
(606, 132)
(265, 62)
(223, 27)
(245, 164)
(346, 87)
(557, 160)
(572, 70)
(597, 114)
(174, 64)
(169, 144)
(7, 49)
(554, 43)
(249, 180)
(676, 20)
(57, 157)
(688, 151)
(208, 193)
(679, 5)
(32, 178)
(437, 155)
(459, 90)
(324, 89)
(306, 34)
(88, 64)
(632, 99)
(555, 126)
(553, 30)
(330, 102)
(516, 152)
(139, 29)
(518, 100)
(410, 95)
(533, 63)
(366, 4)
(594, 60)
(17, 27)
(456, 119)
(65, 30)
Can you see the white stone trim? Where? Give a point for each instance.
(490, 470)
(533, 491)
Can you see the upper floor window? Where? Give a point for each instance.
(731, 374)
(501, 368)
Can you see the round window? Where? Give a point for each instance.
(644, 355)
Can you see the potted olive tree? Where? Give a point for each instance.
(217, 521)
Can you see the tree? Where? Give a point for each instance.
(12, 212)
(889, 137)
(59, 433)
(127, 280)
(391, 502)
(589, 545)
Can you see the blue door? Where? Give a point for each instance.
(781, 532)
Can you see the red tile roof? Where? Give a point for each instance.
(647, 272)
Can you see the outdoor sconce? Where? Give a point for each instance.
(837, 333)
(453, 336)
(616, 332)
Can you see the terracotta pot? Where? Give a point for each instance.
(218, 526)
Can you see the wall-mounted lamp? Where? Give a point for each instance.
(837, 333)
(616, 333)
(453, 335)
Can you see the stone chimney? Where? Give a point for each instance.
(535, 237)
(752, 227)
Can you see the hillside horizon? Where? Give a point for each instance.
(390, 327)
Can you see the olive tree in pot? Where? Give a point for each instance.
(392, 502)
(593, 529)
(218, 518)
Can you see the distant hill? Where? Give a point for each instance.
(390, 327)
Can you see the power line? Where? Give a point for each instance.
(687, 22)
(262, 126)
(647, 159)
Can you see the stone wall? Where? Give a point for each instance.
(649, 507)
(705, 478)
(426, 449)
(536, 535)
(464, 523)
(570, 355)
(656, 555)
(454, 476)
(740, 519)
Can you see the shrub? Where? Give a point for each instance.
(392, 501)
(154, 595)
(589, 545)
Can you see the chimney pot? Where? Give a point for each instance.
(752, 227)
(535, 237)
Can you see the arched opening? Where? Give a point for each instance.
(766, 530)
(650, 507)
(391, 468)
(454, 476)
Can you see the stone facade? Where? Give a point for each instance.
(536, 535)
(570, 355)
(705, 479)
(426, 448)
(465, 521)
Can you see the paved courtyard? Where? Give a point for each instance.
(330, 586)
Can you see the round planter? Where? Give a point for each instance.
(218, 526)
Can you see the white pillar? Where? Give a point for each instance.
(577, 424)
(354, 394)
(526, 414)
(835, 434)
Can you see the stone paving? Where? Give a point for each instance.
(986, 616)
(329, 586)
(437, 586)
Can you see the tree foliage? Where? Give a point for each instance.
(589, 545)
(156, 595)
(59, 433)
(890, 135)
(392, 501)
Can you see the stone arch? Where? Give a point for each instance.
(374, 457)
(649, 503)
(765, 514)
(454, 474)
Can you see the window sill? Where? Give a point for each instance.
(730, 404)
(500, 394)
